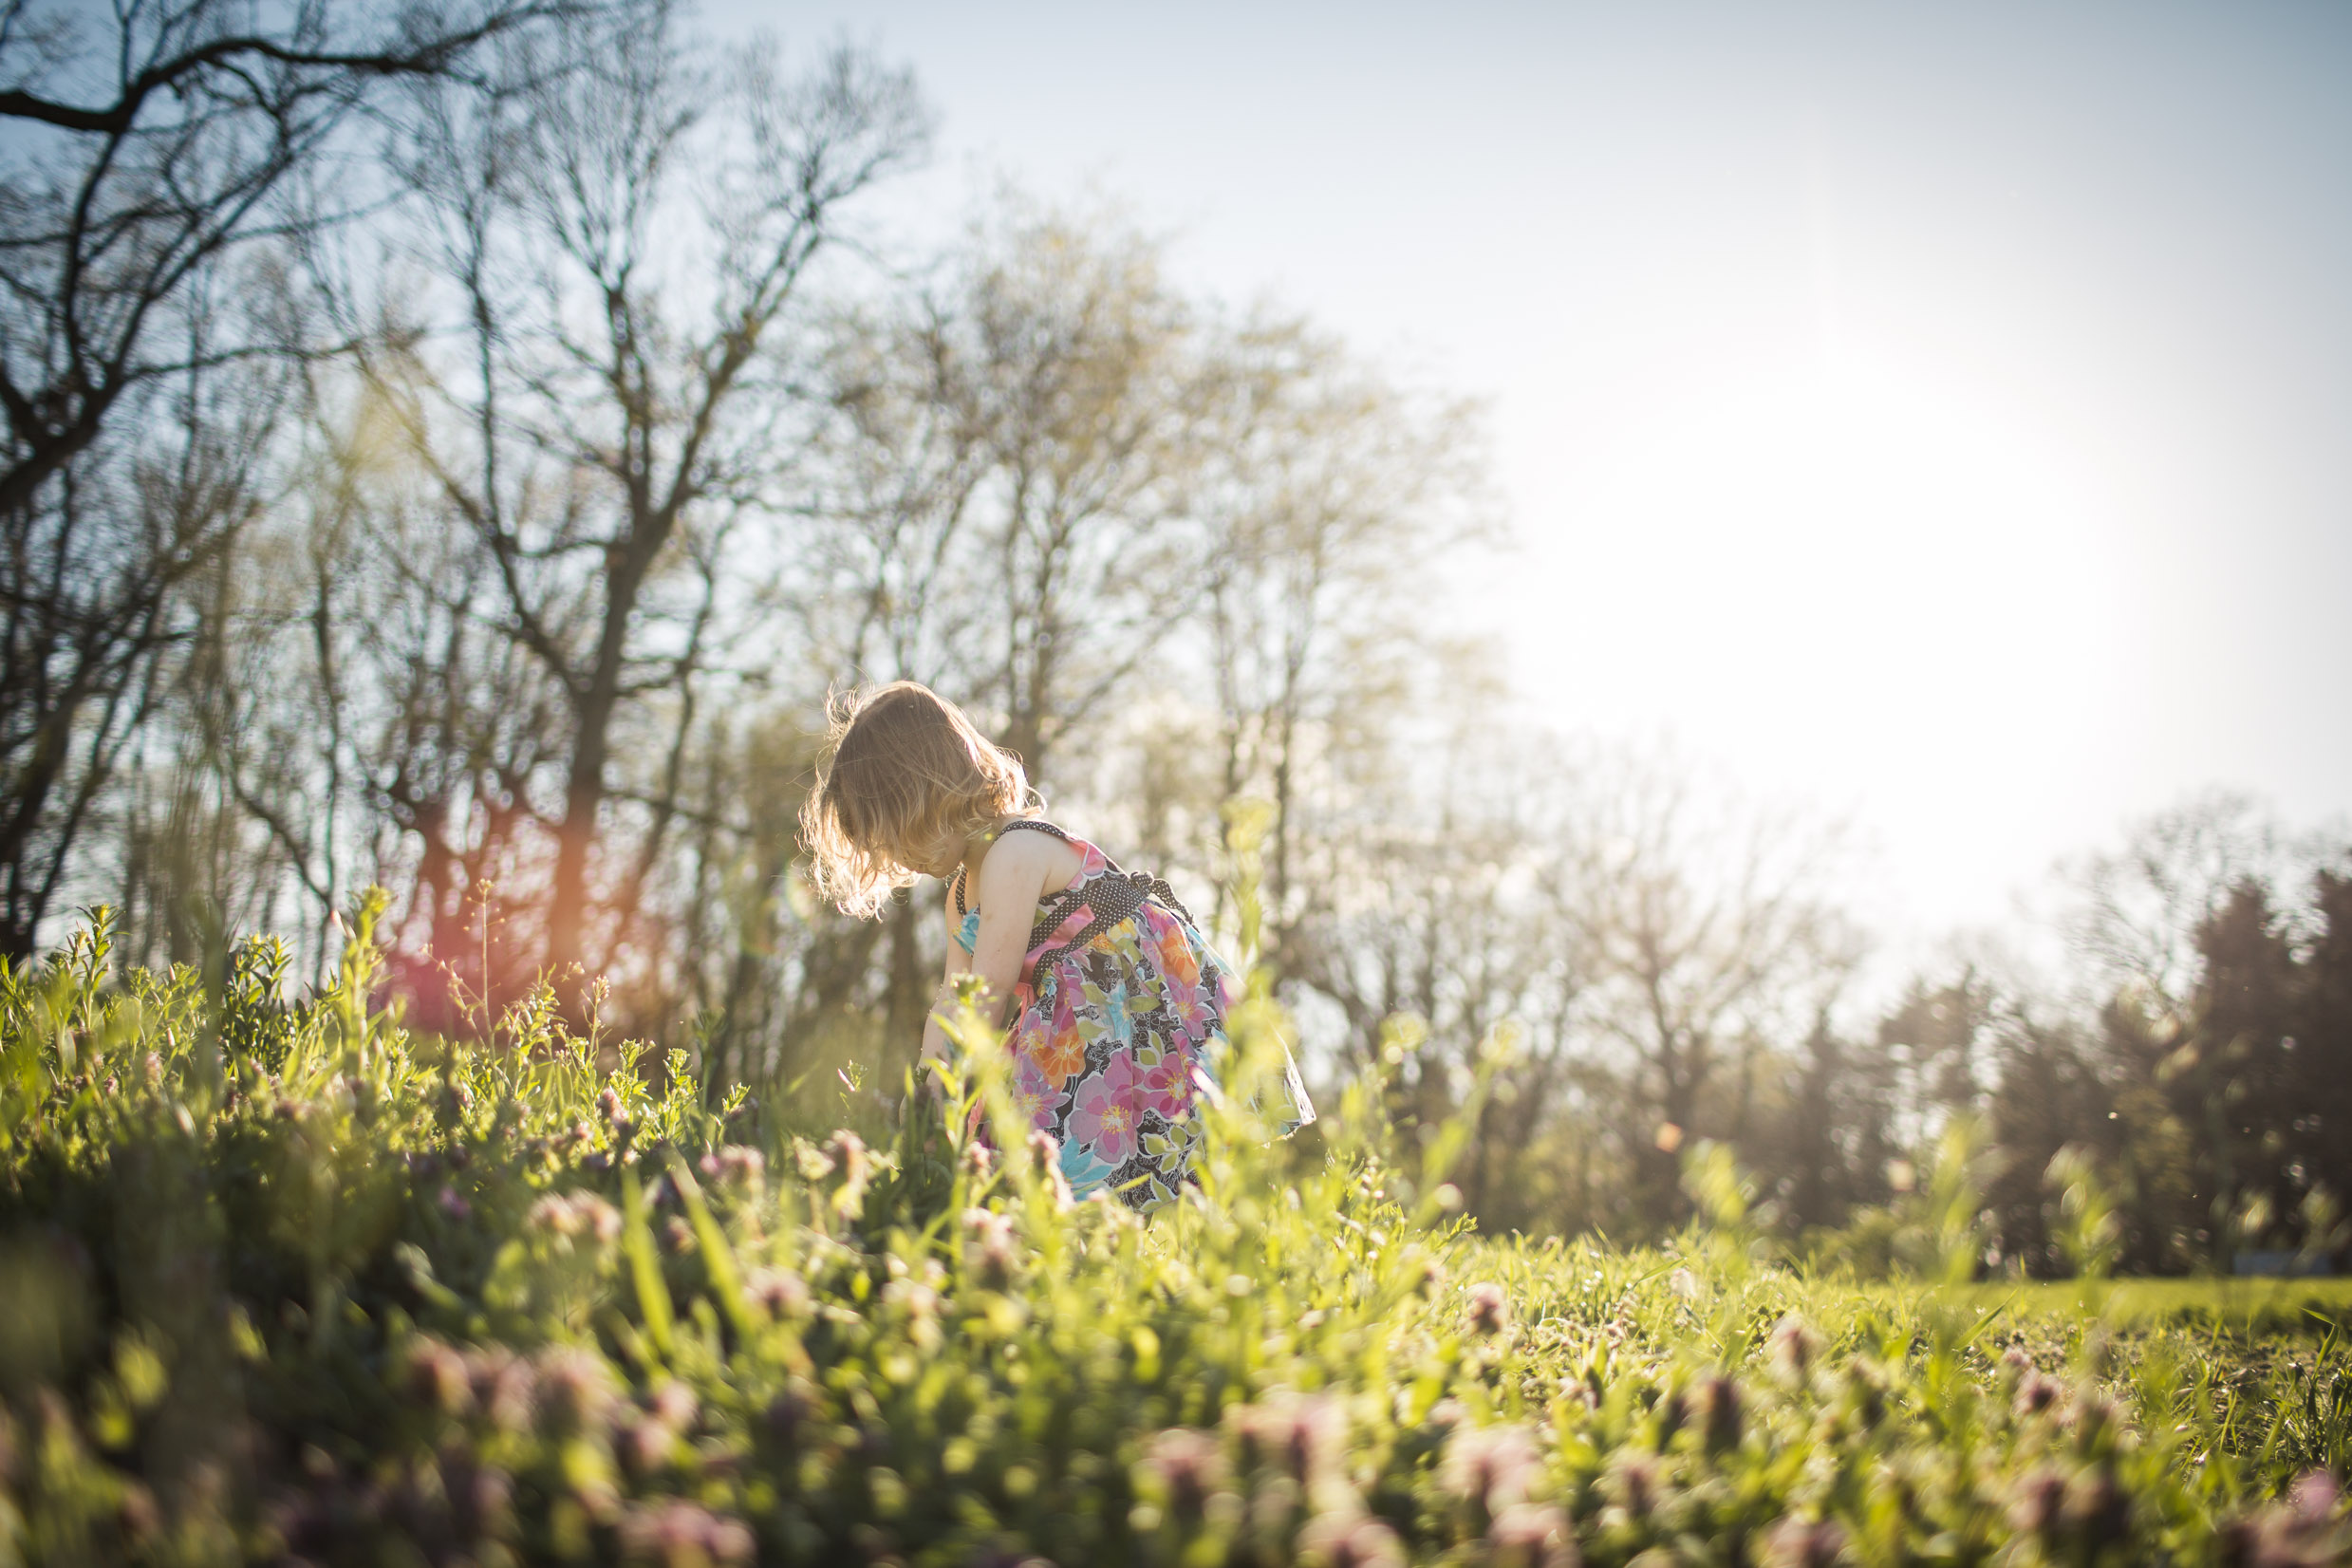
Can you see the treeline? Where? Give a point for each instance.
(460, 450)
(1655, 965)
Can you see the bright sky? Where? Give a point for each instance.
(1941, 411)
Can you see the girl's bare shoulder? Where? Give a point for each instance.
(1024, 863)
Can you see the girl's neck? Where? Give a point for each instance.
(975, 851)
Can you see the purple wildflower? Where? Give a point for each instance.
(1529, 1534)
(1489, 1466)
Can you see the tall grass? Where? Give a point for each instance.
(280, 1281)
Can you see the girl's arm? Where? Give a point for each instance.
(1011, 880)
(934, 1037)
(1006, 889)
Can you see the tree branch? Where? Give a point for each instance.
(117, 119)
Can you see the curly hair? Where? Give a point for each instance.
(903, 779)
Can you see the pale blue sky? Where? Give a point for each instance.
(1943, 411)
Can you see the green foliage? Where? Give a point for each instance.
(2087, 1228)
(284, 1281)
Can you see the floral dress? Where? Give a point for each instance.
(1120, 1025)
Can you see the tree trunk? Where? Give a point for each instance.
(584, 789)
(906, 1004)
(27, 897)
(583, 797)
(1659, 1183)
(1810, 1202)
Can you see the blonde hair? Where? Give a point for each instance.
(902, 777)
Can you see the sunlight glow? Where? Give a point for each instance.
(1867, 584)
(1934, 412)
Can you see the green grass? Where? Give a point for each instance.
(2249, 1306)
(285, 1283)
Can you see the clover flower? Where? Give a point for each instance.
(676, 1534)
(1719, 1398)
(2037, 1500)
(2036, 1393)
(1793, 1542)
(1300, 1437)
(849, 1150)
(1489, 1466)
(675, 1403)
(504, 1388)
(647, 1444)
(1305, 1435)
(779, 1292)
(1530, 1535)
(1673, 1412)
(573, 1215)
(1635, 1482)
(919, 1301)
(1189, 1467)
(2092, 1415)
(991, 1254)
(2305, 1529)
(480, 1497)
(734, 1166)
(575, 1388)
(1793, 1345)
(437, 1376)
(1047, 1156)
(2097, 1510)
(1342, 1539)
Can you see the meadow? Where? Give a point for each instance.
(285, 1282)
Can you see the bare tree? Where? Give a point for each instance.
(149, 144)
(1705, 935)
(618, 246)
(2136, 912)
(148, 147)
(1435, 935)
(357, 708)
(1065, 392)
(893, 585)
(1050, 469)
(106, 574)
(1330, 494)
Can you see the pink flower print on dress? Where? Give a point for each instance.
(1168, 1085)
(1036, 1097)
(1189, 1006)
(1103, 1119)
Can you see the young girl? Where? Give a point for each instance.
(1117, 1005)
